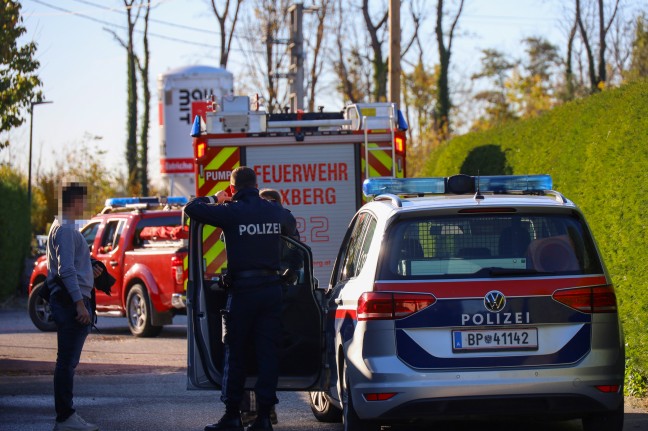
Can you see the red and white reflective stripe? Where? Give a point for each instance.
(477, 288)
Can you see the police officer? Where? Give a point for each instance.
(252, 227)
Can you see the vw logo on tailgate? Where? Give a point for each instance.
(494, 301)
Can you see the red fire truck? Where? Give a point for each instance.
(316, 160)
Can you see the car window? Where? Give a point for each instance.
(489, 245)
(353, 257)
(89, 232)
(111, 235)
(156, 229)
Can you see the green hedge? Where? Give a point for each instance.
(596, 150)
(14, 231)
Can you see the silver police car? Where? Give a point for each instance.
(450, 297)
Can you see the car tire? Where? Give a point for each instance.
(39, 310)
(612, 421)
(350, 418)
(322, 407)
(138, 313)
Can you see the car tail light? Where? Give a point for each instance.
(609, 389)
(177, 269)
(381, 396)
(391, 305)
(599, 299)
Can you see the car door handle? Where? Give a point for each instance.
(338, 301)
(114, 263)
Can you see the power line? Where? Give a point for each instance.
(167, 23)
(110, 24)
(122, 27)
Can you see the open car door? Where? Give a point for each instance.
(301, 349)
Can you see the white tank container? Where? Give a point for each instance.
(177, 89)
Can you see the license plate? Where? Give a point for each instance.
(495, 339)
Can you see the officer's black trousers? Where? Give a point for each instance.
(254, 317)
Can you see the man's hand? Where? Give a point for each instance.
(222, 196)
(82, 315)
(96, 270)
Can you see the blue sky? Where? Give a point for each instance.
(83, 67)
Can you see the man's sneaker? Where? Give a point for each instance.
(75, 423)
(261, 424)
(227, 423)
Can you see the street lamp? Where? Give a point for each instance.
(31, 133)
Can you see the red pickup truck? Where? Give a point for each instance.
(144, 249)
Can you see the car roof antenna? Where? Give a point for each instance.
(478, 196)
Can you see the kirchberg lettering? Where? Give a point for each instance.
(260, 229)
(495, 318)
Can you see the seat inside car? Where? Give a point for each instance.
(514, 240)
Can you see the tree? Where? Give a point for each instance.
(351, 64)
(266, 61)
(225, 37)
(495, 68)
(19, 82)
(531, 89)
(639, 61)
(444, 104)
(597, 72)
(143, 67)
(136, 160)
(419, 96)
(379, 65)
(321, 12)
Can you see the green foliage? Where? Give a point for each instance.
(639, 61)
(18, 79)
(596, 150)
(14, 229)
(636, 385)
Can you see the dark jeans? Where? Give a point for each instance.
(70, 336)
(254, 316)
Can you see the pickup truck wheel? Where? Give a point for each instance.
(138, 312)
(322, 408)
(39, 311)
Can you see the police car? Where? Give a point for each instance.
(449, 297)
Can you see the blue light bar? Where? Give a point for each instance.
(151, 200)
(403, 186)
(510, 183)
(458, 184)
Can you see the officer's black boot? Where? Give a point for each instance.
(231, 421)
(262, 422)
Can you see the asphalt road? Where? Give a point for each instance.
(128, 383)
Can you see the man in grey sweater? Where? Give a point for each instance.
(70, 276)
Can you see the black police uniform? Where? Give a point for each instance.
(252, 227)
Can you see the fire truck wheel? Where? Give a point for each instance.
(39, 311)
(138, 312)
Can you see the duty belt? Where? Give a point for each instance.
(250, 273)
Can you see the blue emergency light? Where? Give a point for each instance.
(457, 184)
(196, 128)
(150, 200)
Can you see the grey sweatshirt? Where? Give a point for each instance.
(68, 256)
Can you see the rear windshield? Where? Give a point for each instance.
(488, 245)
(155, 231)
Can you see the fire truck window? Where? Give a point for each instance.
(89, 232)
(111, 232)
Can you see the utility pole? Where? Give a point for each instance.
(394, 52)
(296, 72)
